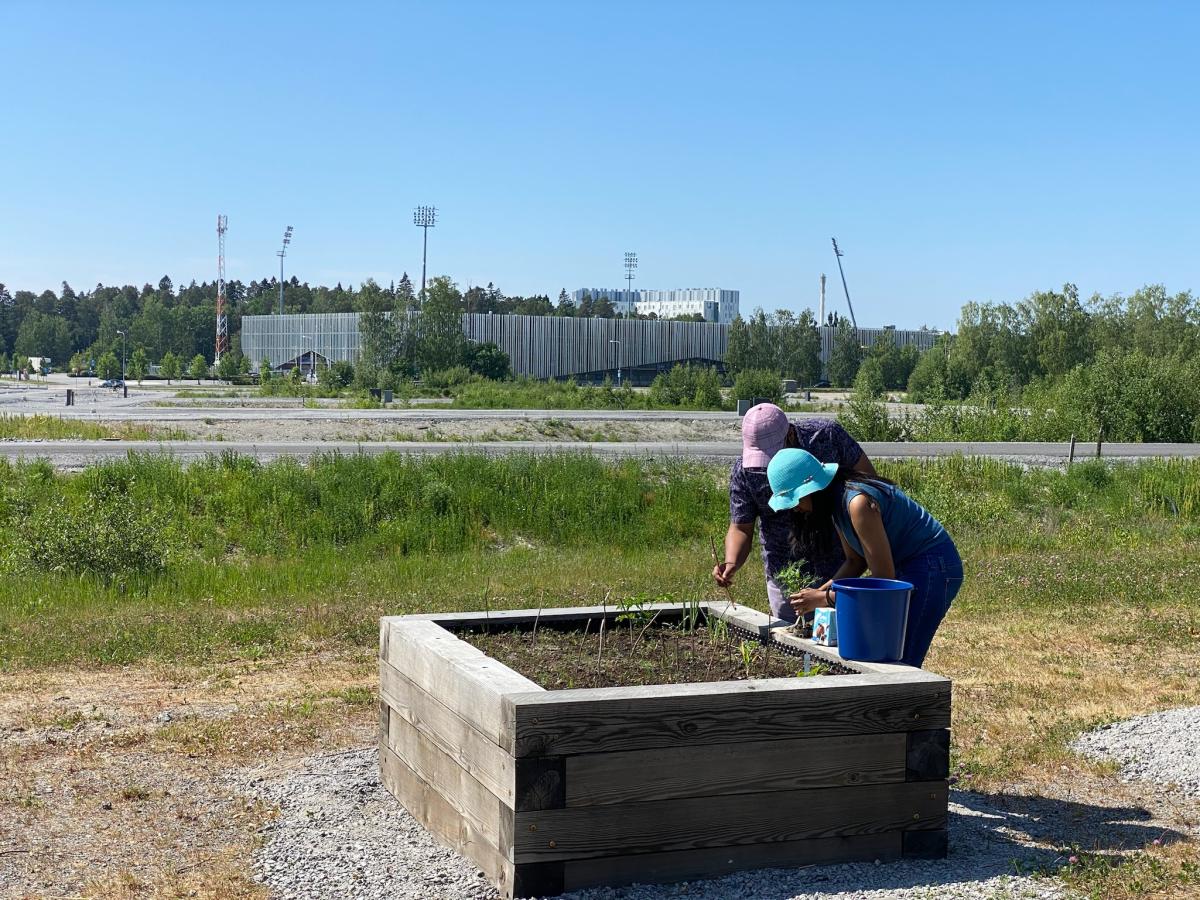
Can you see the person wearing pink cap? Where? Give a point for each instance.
(765, 431)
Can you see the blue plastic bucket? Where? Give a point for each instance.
(872, 615)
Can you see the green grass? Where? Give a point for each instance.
(147, 557)
(52, 428)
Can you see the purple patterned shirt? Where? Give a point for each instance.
(749, 492)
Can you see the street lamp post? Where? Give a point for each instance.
(618, 343)
(124, 386)
(313, 361)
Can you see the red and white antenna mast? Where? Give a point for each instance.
(222, 316)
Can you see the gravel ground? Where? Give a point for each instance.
(1162, 749)
(341, 835)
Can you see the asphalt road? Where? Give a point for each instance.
(75, 454)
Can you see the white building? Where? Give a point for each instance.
(714, 304)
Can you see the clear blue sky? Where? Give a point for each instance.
(958, 151)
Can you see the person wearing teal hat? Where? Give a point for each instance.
(766, 430)
(881, 528)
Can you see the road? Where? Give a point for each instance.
(76, 454)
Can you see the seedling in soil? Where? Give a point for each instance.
(634, 612)
(747, 650)
(814, 670)
(718, 631)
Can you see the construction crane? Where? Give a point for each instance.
(222, 315)
(838, 254)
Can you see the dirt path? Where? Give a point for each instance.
(127, 783)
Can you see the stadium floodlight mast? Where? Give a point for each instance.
(287, 239)
(838, 253)
(630, 274)
(424, 217)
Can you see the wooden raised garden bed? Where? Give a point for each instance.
(552, 790)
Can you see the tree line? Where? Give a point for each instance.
(76, 329)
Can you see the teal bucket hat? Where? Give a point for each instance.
(794, 474)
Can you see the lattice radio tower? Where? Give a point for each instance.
(222, 315)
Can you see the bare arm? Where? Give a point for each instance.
(739, 538)
(868, 525)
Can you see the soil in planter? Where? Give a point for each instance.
(634, 653)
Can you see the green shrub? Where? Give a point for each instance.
(758, 384)
(445, 379)
(107, 537)
(869, 381)
(695, 387)
(867, 419)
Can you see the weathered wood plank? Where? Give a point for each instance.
(687, 865)
(461, 677)
(480, 807)
(927, 844)
(472, 749)
(743, 768)
(740, 819)
(604, 720)
(927, 757)
(442, 820)
(541, 783)
(538, 879)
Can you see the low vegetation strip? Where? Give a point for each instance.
(52, 428)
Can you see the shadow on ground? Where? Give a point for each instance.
(1002, 844)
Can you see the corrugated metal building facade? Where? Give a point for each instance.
(539, 346)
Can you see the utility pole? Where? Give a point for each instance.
(838, 254)
(287, 239)
(821, 321)
(424, 217)
(222, 314)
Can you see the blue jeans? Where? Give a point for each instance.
(936, 577)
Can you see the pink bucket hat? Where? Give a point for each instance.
(764, 433)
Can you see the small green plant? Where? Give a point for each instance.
(746, 648)
(718, 631)
(814, 670)
(795, 576)
(633, 611)
(134, 792)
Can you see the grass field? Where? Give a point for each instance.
(1080, 604)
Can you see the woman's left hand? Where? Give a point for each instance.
(805, 601)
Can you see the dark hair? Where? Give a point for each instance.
(818, 524)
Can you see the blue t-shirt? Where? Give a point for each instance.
(910, 529)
